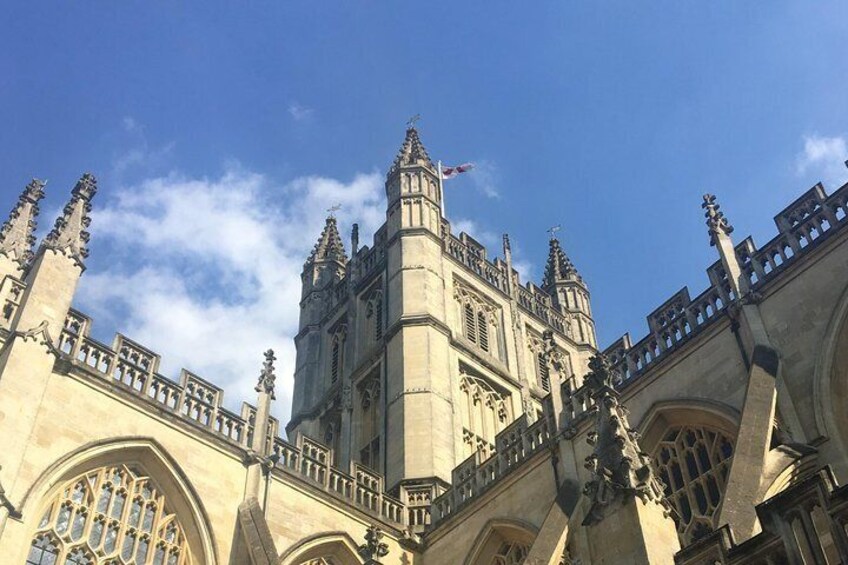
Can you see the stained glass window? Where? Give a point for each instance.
(110, 515)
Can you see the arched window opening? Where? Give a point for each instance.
(483, 331)
(511, 553)
(693, 463)
(470, 324)
(369, 429)
(544, 372)
(374, 315)
(110, 515)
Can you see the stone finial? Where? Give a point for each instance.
(373, 547)
(619, 467)
(330, 246)
(69, 234)
(559, 267)
(354, 239)
(507, 246)
(17, 234)
(267, 378)
(716, 222)
(412, 152)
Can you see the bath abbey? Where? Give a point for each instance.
(445, 412)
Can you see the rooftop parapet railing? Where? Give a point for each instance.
(810, 219)
(806, 523)
(133, 368)
(514, 445)
(360, 486)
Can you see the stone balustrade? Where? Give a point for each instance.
(513, 446)
(806, 523)
(133, 368)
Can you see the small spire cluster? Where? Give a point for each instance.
(619, 467)
(267, 378)
(412, 152)
(559, 267)
(716, 222)
(330, 246)
(17, 236)
(69, 234)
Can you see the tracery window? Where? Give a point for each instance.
(485, 412)
(369, 428)
(112, 515)
(511, 553)
(479, 322)
(374, 315)
(337, 341)
(693, 462)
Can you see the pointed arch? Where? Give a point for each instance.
(830, 381)
(334, 548)
(500, 540)
(143, 452)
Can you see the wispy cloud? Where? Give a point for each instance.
(823, 158)
(485, 178)
(211, 269)
(137, 152)
(300, 113)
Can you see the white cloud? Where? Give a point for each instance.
(209, 271)
(300, 113)
(485, 178)
(823, 158)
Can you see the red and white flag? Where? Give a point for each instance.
(450, 172)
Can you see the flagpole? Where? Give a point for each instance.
(441, 190)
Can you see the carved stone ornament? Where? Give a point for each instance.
(347, 397)
(373, 547)
(17, 234)
(69, 234)
(267, 378)
(619, 467)
(41, 335)
(716, 222)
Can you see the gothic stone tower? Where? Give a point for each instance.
(416, 352)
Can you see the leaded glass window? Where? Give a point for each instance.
(511, 553)
(112, 515)
(693, 463)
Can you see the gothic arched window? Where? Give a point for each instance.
(110, 515)
(693, 462)
(478, 320)
(369, 428)
(544, 372)
(374, 315)
(511, 553)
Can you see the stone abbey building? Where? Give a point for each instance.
(444, 412)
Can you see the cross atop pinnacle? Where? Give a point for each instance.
(267, 378)
(69, 234)
(412, 152)
(559, 267)
(16, 235)
(330, 246)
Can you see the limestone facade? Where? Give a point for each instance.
(444, 412)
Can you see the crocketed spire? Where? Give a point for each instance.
(330, 246)
(16, 235)
(69, 235)
(267, 378)
(559, 267)
(716, 222)
(412, 152)
(619, 468)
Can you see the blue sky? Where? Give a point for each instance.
(221, 131)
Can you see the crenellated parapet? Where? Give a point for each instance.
(803, 225)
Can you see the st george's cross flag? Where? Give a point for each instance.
(451, 172)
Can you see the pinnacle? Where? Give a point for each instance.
(412, 152)
(330, 246)
(69, 234)
(559, 267)
(16, 235)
